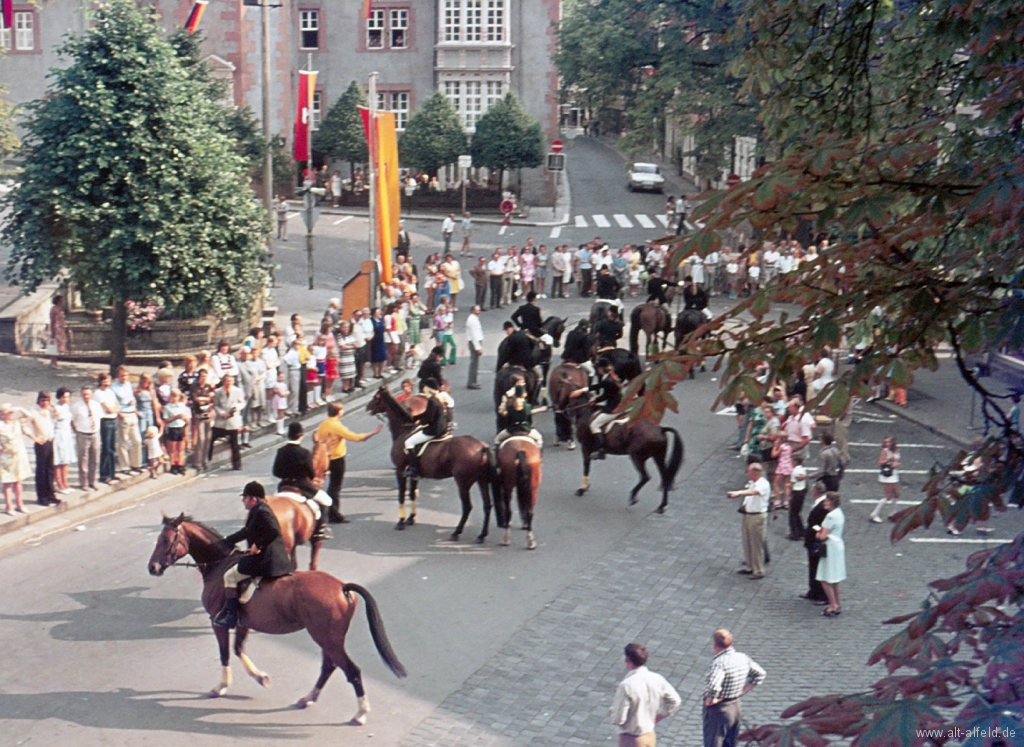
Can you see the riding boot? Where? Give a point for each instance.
(322, 531)
(412, 460)
(599, 437)
(228, 615)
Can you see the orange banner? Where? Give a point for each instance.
(304, 114)
(195, 16)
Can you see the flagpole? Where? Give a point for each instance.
(310, 179)
(268, 160)
(372, 141)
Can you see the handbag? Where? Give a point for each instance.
(886, 470)
(51, 347)
(818, 549)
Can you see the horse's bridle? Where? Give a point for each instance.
(179, 542)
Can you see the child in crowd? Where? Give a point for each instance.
(798, 492)
(407, 390)
(783, 452)
(634, 280)
(154, 452)
(280, 403)
(330, 373)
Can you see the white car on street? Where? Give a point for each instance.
(646, 176)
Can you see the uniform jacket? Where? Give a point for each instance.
(527, 317)
(433, 418)
(262, 530)
(293, 466)
(576, 348)
(516, 350)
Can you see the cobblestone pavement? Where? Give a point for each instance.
(672, 581)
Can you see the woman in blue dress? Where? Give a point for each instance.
(378, 345)
(832, 567)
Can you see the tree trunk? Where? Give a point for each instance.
(118, 336)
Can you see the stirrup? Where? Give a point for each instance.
(228, 615)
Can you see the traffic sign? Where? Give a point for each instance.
(556, 162)
(465, 162)
(732, 180)
(556, 146)
(507, 207)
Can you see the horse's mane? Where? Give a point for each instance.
(201, 525)
(399, 408)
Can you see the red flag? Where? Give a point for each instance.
(7, 16)
(304, 114)
(367, 7)
(195, 15)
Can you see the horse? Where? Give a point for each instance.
(627, 365)
(599, 311)
(541, 355)
(641, 440)
(518, 469)
(297, 524)
(653, 320)
(503, 382)
(566, 378)
(688, 322)
(311, 600)
(466, 458)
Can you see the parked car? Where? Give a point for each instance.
(645, 176)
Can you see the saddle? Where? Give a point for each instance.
(299, 498)
(437, 439)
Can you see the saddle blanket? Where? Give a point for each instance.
(437, 439)
(301, 499)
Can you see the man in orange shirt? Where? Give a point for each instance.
(334, 435)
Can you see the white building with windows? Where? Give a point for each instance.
(474, 51)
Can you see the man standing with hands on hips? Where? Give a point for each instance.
(732, 676)
(641, 700)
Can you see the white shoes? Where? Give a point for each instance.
(876, 520)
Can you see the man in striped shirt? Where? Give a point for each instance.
(732, 676)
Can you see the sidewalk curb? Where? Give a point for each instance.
(82, 507)
(431, 217)
(917, 420)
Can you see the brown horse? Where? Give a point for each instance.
(297, 524)
(519, 462)
(565, 379)
(641, 440)
(469, 460)
(311, 600)
(653, 320)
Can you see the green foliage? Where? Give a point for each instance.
(130, 184)
(507, 137)
(341, 135)
(898, 129)
(433, 137)
(8, 140)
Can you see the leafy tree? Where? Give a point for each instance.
(8, 140)
(899, 127)
(341, 135)
(507, 137)
(433, 137)
(130, 184)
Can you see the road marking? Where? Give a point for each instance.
(873, 502)
(623, 221)
(555, 232)
(581, 222)
(644, 221)
(342, 220)
(501, 231)
(727, 411)
(600, 221)
(958, 540)
(875, 471)
(663, 219)
(902, 446)
(874, 420)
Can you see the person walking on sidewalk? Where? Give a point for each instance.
(888, 476)
(732, 675)
(756, 497)
(475, 341)
(641, 700)
(333, 434)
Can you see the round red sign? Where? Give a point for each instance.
(507, 206)
(556, 146)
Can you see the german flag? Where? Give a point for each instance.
(195, 15)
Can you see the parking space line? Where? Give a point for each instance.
(501, 231)
(869, 502)
(581, 222)
(644, 221)
(623, 221)
(958, 541)
(600, 221)
(555, 232)
(342, 220)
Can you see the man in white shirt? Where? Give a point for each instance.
(85, 422)
(559, 263)
(475, 340)
(641, 700)
(129, 440)
(799, 427)
(228, 403)
(447, 229)
(712, 283)
(496, 272)
(771, 261)
(755, 497)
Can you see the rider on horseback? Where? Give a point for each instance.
(608, 393)
(293, 466)
(266, 556)
(608, 288)
(656, 288)
(608, 330)
(528, 316)
(695, 298)
(516, 349)
(518, 413)
(431, 423)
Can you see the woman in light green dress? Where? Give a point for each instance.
(13, 457)
(832, 567)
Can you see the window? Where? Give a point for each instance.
(396, 102)
(5, 38)
(453, 91)
(453, 20)
(309, 29)
(473, 104)
(494, 91)
(24, 33)
(495, 20)
(474, 19)
(375, 30)
(471, 98)
(399, 28)
(317, 112)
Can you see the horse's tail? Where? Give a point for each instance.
(377, 632)
(675, 460)
(634, 330)
(523, 493)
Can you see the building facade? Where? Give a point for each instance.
(473, 51)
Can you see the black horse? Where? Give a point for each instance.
(627, 366)
(688, 322)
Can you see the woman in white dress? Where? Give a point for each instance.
(64, 449)
(272, 360)
(888, 475)
(832, 567)
(14, 426)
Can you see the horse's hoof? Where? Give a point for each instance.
(479, 540)
(660, 509)
(263, 679)
(303, 703)
(411, 520)
(531, 545)
(633, 501)
(357, 721)
(572, 446)
(400, 525)
(581, 492)
(557, 443)
(454, 537)
(217, 692)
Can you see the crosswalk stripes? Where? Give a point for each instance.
(581, 222)
(623, 221)
(600, 221)
(663, 219)
(555, 232)
(644, 221)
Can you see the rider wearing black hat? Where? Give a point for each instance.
(266, 556)
(528, 316)
(293, 466)
(431, 423)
